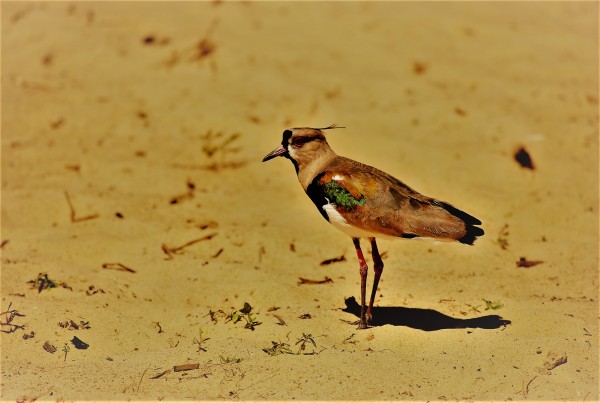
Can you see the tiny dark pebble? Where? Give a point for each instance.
(118, 215)
(204, 48)
(419, 68)
(460, 112)
(57, 123)
(524, 159)
(47, 59)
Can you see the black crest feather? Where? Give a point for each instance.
(332, 126)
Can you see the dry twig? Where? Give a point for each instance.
(117, 266)
(307, 281)
(189, 194)
(9, 316)
(170, 252)
(185, 367)
(333, 260)
(160, 374)
(280, 320)
(73, 215)
(141, 378)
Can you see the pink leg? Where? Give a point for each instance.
(362, 324)
(378, 268)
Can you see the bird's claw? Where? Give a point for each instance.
(361, 324)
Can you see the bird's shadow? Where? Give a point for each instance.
(423, 319)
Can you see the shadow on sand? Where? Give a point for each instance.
(424, 319)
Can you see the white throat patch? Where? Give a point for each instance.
(292, 152)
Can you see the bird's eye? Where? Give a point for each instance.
(298, 142)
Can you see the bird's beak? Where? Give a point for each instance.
(275, 153)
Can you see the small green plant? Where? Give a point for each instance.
(474, 308)
(246, 314)
(492, 305)
(200, 340)
(66, 349)
(213, 143)
(278, 348)
(230, 360)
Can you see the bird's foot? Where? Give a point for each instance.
(362, 324)
(369, 316)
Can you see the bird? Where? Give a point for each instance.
(366, 203)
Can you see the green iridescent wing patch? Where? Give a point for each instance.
(341, 197)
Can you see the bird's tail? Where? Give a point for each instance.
(472, 231)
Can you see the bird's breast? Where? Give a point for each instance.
(337, 219)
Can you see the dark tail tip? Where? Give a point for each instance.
(470, 223)
(471, 235)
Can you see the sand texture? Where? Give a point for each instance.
(132, 139)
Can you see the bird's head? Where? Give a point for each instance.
(302, 145)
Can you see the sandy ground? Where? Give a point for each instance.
(152, 120)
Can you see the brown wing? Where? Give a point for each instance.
(394, 209)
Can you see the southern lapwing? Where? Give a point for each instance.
(364, 202)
